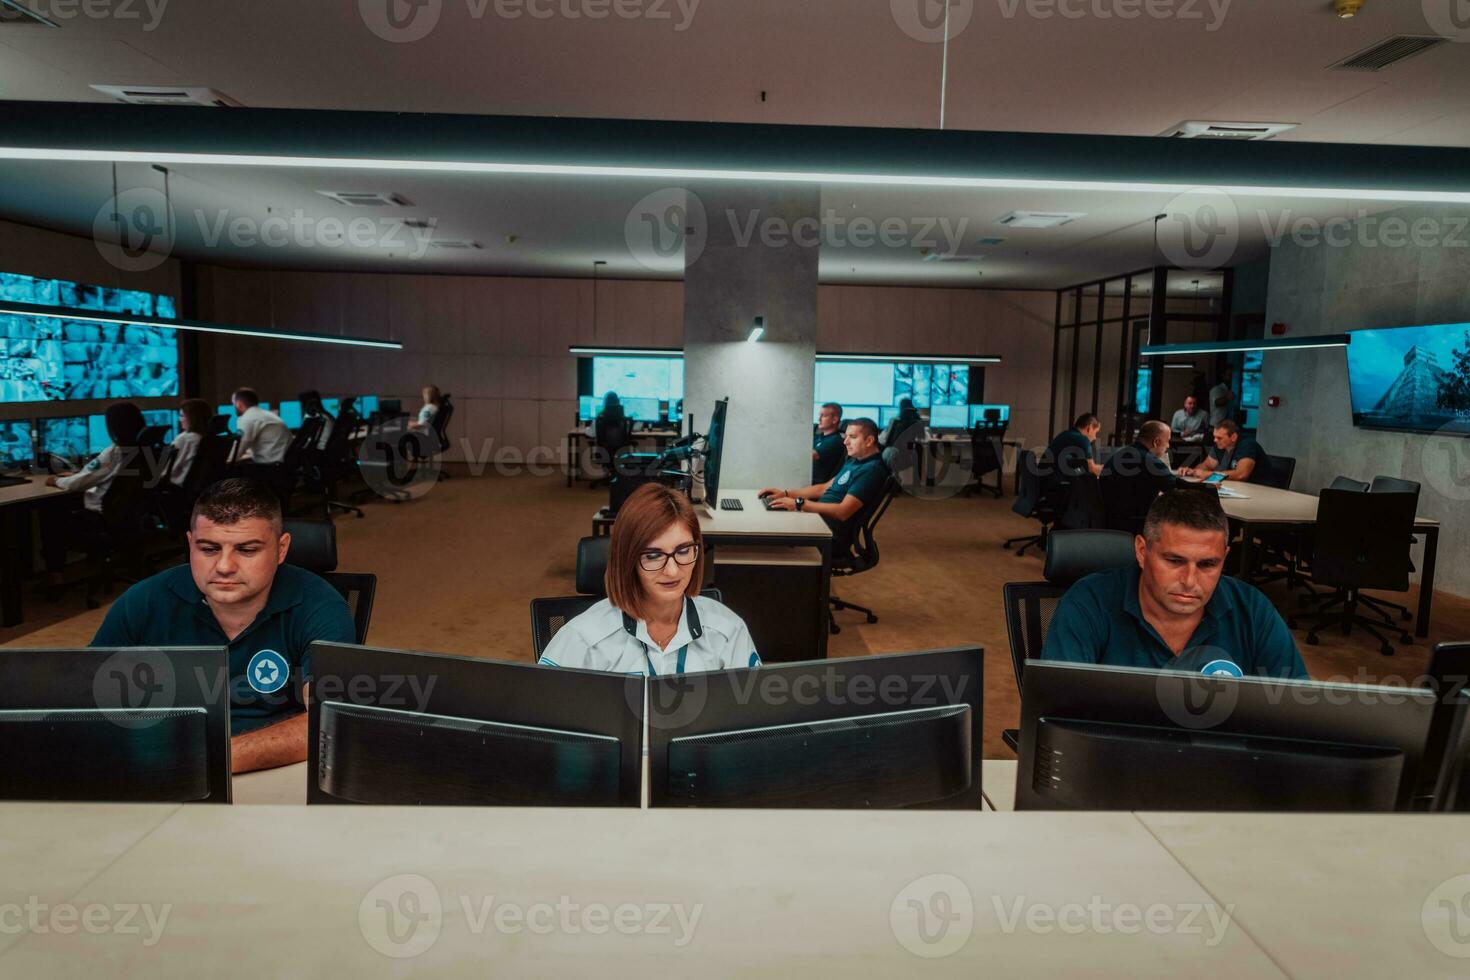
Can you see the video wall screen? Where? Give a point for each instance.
(870, 387)
(1411, 378)
(48, 359)
(650, 388)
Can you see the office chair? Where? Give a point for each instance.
(1362, 542)
(314, 548)
(440, 426)
(1347, 483)
(1392, 484)
(332, 463)
(1029, 606)
(987, 448)
(1283, 468)
(1084, 504)
(1296, 557)
(864, 554)
(1042, 497)
(128, 515)
(610, 438)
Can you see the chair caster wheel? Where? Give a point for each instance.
(1313, 639)
(872, 619)
(1406, 639)
(835, 629)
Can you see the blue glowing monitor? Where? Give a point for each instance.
(166, 417)
(977, 413)
(587, 407)
(291, 414)
(641, 409)
(15, 443)
(332, 405)
(65, 437)
(367, 405)
(948, 417)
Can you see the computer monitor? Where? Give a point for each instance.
(886, 414)
(1448, 677)
(989, 415)
(368, 405)
(587, 407)
(714, 449)
(393, 727)
(167, 418)
(67, 437)
(16, 448)
(390, 408)
(899, 730)
(1452, 789)
(97, 437)
(228, 411)
(107, 725)
(641, 409)
(949, 417)
(332, 405)
(1116, 738)
(290, 413)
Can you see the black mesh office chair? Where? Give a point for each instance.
(129, 515)
(611, 436)
(1029, 606)
(1042, 497)
(1283, 468)
(1393, 484)
(987, 454)
(314, 548)
(440, 426)
(1085, 507)
(1362, 542)
(330, 464)
(864, 554)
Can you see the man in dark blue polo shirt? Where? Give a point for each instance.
(1073, 448)
(844, 500)
(1237, 456)
(1134, 476)
(1173, 610)
(237, 592)
(828, 451)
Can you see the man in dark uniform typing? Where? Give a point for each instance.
(1173, 610)
(827, 449)
(842, 500)
(237, 592)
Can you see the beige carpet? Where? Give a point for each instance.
(457, 570)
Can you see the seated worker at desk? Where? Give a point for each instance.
(1073, 448)
(1190, 422)
(843, 500)
(654, 621)
(237, 592)
(1238, 457)
(1134, 476)
(1173, 610)
(264, 438)
(828, 451)
(433, 401)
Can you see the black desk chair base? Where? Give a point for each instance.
(1346, 609)
(1037, 541)
(834, 604)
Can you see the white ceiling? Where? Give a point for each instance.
(846, 62)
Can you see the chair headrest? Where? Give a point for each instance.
(1071, 555)
(313, 545)
(592, 565)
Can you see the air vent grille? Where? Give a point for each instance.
(368, 199)
(466, 244)
(1197, 129)
(166, 95)
(1039, 219)
(1388, 52)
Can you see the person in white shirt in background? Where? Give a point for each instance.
(432, 400)
(195, 414)
(63, 528)
(264, 438)
(1190, 422)
(654, 621)
(1222, 398)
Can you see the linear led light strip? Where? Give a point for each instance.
(899, 358)
(715, 173)
(1230, 347)
(199, 326)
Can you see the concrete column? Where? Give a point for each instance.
(753, 252)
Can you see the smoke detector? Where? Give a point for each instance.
(1194, 129)
(165, 95)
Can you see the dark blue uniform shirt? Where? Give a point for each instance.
(168, 610)
(1246, 448)
(1099, 621)
(1070, 449)
(863, 479)
(830, 454)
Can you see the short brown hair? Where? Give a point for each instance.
(1230, 427)
(197, 413)
(1151, 430)
(645, 515)
(1193, 509)
(246, 395)
(237, 499)
(869, 427)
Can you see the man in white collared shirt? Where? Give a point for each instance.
(264, 438)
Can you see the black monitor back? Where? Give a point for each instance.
(714, 451)
(1112, 738)
(901, 730)
(143, 725)
(393, 727)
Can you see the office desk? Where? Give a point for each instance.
(16, 505)
(1264, 507)
(285, 786)
(754, 526)
(934, 444)
(575, 438)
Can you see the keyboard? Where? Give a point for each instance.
(12, 481)
(730, 503)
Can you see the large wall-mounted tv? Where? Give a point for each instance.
(45, 359)
(1413, 379)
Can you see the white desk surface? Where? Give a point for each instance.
(1263, 505)
(33, 489)
(307, 891)
(997, 783)
(271, 787)
(755, 520)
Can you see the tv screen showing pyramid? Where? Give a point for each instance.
(1411, 378)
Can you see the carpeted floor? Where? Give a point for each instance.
(458, 568)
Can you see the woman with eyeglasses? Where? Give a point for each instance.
(654, 621)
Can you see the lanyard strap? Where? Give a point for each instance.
(691, 616)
